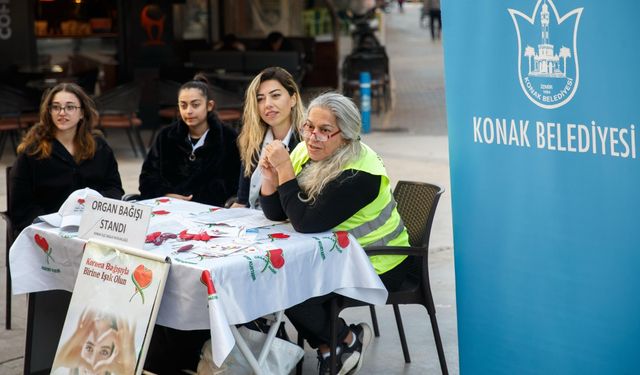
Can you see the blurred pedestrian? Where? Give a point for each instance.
(432, 7)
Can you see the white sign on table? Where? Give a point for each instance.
(115, 221)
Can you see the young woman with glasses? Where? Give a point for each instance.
(334, 182)
(60, 154)
(273, 111)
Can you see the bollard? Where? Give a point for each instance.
(365, 101)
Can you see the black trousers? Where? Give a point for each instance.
(312, 318)
(172, 350)
(435, 16)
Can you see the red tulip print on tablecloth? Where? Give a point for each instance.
(274, 260)
(44, 245)
(160, 212)
(142, 277)
(278, 236)
(207, 281)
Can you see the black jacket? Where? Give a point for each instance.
(244, 184)
(212, 177)
(40, 186)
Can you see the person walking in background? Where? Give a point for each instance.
(60, 154)
(196, 157)
(273, 111)
(400, 6)
(432, 8)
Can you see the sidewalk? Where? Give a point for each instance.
(412, 140)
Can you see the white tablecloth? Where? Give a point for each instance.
(272, 269)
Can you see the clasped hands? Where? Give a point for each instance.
(274, 157)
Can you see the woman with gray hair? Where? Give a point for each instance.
(333, 181)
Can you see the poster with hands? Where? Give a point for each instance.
(112, 311)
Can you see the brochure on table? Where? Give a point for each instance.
(112, 311)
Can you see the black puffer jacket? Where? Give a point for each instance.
(212, 177)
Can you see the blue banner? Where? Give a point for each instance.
(543, 117)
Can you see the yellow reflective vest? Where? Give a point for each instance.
(376, 224)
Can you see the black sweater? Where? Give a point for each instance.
(40, 186)
(341, 198)
(212, 177)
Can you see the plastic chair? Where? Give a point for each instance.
(9, 238)
(417, 202)
(17, 113)
(118, 110)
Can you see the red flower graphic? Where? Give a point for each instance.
(162, 200)
(44, 245)
(142, 277)
(202, 236)
(206, 280)
(160, 212)
(152, 237)
(81, 200)
(278, 236)
(275, 258)
(213, 209)
(343, 238)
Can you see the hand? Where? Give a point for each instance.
(178, 196)
(269, 173)
(70, 354)
(238, 205)
(123, 360)
(277, 154)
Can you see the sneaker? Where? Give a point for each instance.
(324, 364)
(353, 357)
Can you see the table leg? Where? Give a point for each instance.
(257, 364)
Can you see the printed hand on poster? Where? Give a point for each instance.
(101, 344)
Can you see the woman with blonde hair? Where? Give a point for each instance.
(60, 154)
(273, 111)
(333, 181)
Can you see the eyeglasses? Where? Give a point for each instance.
(55, 108)
(321, 135)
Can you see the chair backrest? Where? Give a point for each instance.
(255, 61)
(10, 235)
(14, 101)
(231, 61)
(167, 91)
(417, 202)
(123, 99)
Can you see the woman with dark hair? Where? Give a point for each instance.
(196, 157)
(273, 111)
(60, 154)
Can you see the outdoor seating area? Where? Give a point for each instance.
(144, 101)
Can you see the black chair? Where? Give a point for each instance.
(9, 238)
(167, 91)
(18, 111)
(118, 109)
(417, 202)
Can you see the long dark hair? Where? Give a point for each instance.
(38, 140)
